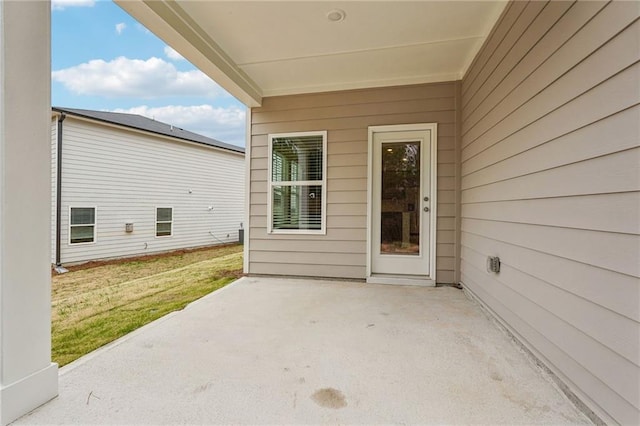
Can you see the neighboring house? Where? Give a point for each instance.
(523, 117)
(132, 186)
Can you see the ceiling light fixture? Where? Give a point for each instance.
(336, 15)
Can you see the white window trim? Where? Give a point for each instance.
(95, 225)
(270, 184)
(155, 224)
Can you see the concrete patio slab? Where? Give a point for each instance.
(291, 351)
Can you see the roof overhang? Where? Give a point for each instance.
(255, 49)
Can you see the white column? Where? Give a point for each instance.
(27, 376)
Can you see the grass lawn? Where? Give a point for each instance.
(92, 306)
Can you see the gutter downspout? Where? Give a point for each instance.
(59, 268)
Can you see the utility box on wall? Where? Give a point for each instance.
(128, 227)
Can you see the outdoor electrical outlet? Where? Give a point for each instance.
(493, 264)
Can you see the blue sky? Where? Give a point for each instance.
(102, 59)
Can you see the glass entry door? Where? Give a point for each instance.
(400, 198)
(401, 203)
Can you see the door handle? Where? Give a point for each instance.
(426, 209)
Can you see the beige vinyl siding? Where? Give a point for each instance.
(127, 174)
(550, 181)
(346, 116)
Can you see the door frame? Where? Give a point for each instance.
(430, 279)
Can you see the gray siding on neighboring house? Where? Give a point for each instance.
(126, 174)
(346, 116)
(550, 178)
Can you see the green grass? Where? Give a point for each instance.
(92, 307)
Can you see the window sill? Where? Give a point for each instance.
(298, 232)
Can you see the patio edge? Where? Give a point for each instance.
(535, 359)
(85, 358)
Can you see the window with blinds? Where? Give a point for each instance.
(297, 182)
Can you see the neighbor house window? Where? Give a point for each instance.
(297, 183)
(82, 225)
(164, 221)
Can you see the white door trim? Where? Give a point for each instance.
(430, 279)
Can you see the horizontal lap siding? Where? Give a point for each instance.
(126, 175)
(550, 182)
(346, 116)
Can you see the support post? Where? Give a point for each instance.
(28, 378)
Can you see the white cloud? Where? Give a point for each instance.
(120, 27)
(135, 78)
(224, 124)
(172, 54)
(62, 4)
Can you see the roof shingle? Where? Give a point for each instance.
(147, 124)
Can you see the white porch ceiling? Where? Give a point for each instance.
(269, 48)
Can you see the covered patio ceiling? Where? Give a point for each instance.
(256, 49)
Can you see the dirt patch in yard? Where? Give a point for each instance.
(146, 257)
